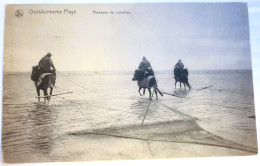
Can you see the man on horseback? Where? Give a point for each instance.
(45, 64)
(144, 64)
(179, 65)
(44, 77)
(181, 74)
(144, 76)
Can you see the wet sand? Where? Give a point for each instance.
(165, 140)
(102, 120)
(137, 144)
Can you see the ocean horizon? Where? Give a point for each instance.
(131, 72)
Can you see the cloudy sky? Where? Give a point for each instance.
(204, 35)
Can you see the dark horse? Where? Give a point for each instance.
(43, 81)
(182, 77)
(146, 79)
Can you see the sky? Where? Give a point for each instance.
(205, 36)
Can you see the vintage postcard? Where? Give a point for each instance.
(98, 82)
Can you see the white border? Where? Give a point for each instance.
(255, 41)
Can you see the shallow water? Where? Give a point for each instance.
(35, 131)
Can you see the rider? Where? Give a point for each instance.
(45, 64)
(146, 66)
(179, 65)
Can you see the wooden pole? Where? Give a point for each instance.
(204, 87)
(53, 95)
(171, 94)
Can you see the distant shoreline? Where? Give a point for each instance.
(125, 72)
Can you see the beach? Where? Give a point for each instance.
(102, 118)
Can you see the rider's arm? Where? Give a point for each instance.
(149, 64)
(140, 65)
(40, 61)
(51, 63)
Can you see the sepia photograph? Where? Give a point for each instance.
(109, 82)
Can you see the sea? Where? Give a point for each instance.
(217, 111)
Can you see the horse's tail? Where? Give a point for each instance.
(187, 82)
(159, 92)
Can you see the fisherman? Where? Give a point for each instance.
(146, 66)
(179, 65)
(45, 64)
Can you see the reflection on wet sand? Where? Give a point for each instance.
(44, 129)
(181, 92)
(140, 105)
(36, 131)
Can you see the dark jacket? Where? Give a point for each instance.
(144, 65)
(179, 65)
(46, 63)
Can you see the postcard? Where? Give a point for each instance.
(98, 82)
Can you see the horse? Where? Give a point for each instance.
(43, 81)
(182, 77)
(146, 79)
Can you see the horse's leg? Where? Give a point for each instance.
(38, 92)
(156, 93)
(175, 83)
(45, 95)
(144, 92)
(184, 86)
(139, 91)
(50, 93)
(180, 84)
(150, 96)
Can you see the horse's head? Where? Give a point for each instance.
(35, 73)
(139, 74)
